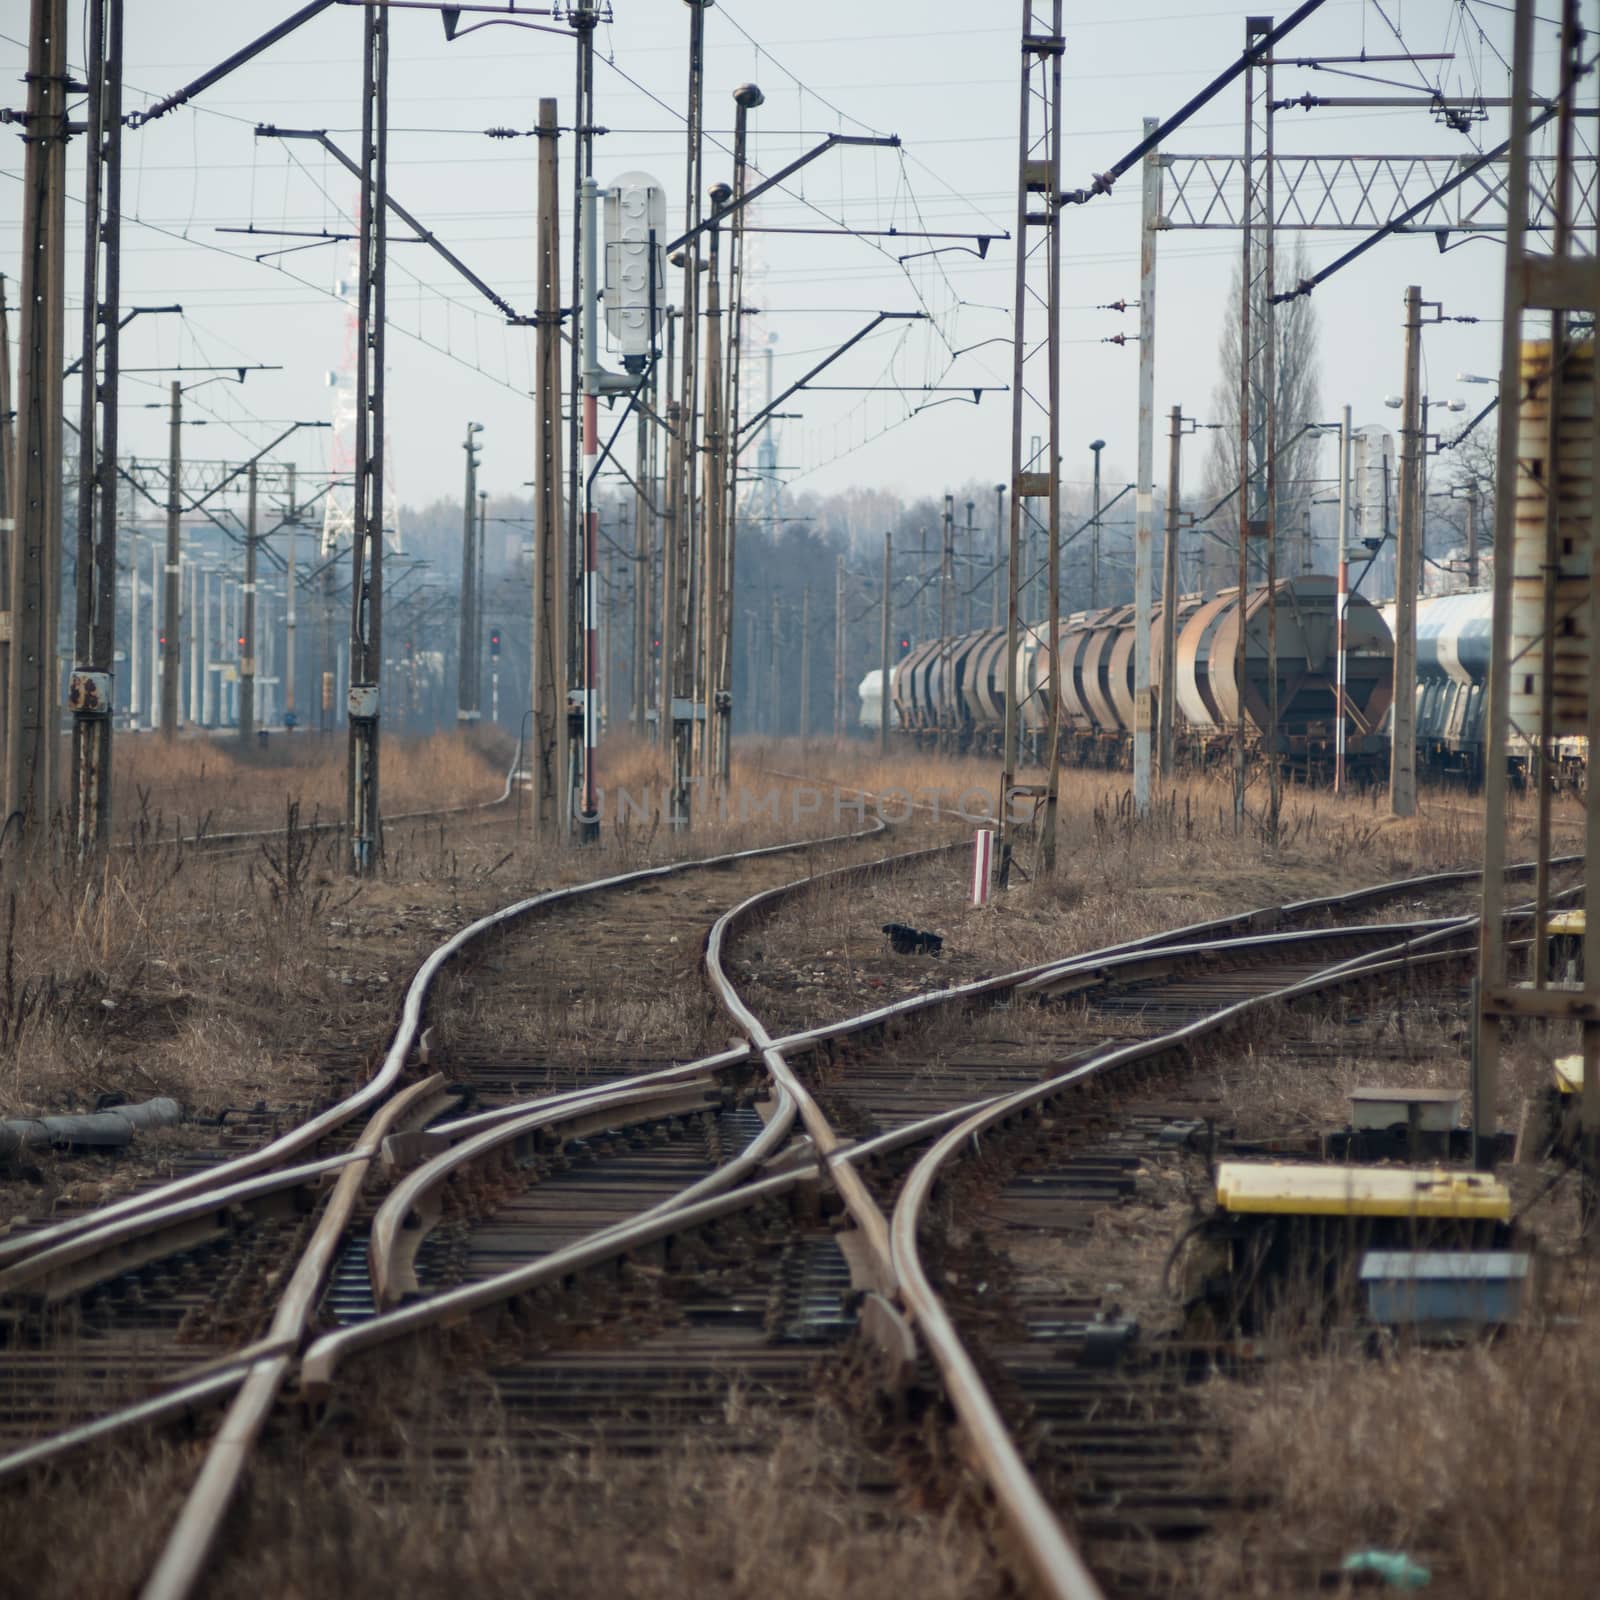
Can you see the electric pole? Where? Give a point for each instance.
(1257, 421)
(467, 674)
(1167, 752)
(746, 98)
(947, 623)
(8, 478)
(91, 694)
(31, 719)
(247, 634)
(1095, 445)
(1036, 475)
(548, 760)
(643, 543)
(883, 646)
(838, 648)
(1144, 533)
(1407, 569)
(366, 587)
(805, 665)
(291, 522)
(685, 709)
(1001, 566)
(970, 607)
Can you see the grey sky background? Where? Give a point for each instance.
(942, 74)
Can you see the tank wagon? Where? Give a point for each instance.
(951, 693)
(1453, 634)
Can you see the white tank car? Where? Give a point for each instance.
(870, 692)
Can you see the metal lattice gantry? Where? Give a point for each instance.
(1351, 193)
(1035, 412)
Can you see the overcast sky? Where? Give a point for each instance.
(941, 74)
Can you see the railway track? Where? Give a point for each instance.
(643, 1225)
(123, 1305)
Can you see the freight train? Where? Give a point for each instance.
(951, 694)
(955, 695)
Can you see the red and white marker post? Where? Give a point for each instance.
(982, 865)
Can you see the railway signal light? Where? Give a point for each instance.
(905, 647)
(494, 642)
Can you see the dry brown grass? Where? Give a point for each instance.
(272, 976)
(221, 785)
(756, 1507)
(1117, 878)
(760, 1505)
(1480, 1463)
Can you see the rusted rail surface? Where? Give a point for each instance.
(1401, 960)
(823, 1156)
(288, 1146)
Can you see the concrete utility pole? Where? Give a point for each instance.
(712, 499)
(805, 665)
(639, 678)
(1096, 445)
(685, 709)
(8, 479)
(1257, 421)
(774, 681)
(291, 523)
(31, 719)
(91, 695)
(467, 673)
(1472, 540)
(548, 758)
(947, 625)
(479, 609)
(135, 665)
(1342, 614)
(1167, 753)
(838, 648)
(1407, 572)
(746, 98)
(194, 706)
(247, 634)
(997, 580)
(970, 605)
(883, 645)
(366, 599)
(1144, 535)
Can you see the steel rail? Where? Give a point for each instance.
(414, 1206)
(450, 1307)
(184, 1554)
(1055, 1563)
(403, 1041)
(188, 1546)
(875, 1271)
(669, 1214)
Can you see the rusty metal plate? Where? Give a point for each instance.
(1570, 578)
(89, 693)
(1034, 485)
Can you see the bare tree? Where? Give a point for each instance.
(1297, 385)
(1461, 482)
